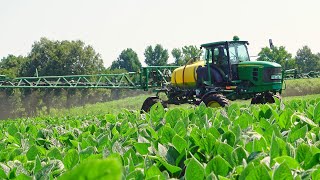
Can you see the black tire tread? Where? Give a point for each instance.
(219, 98)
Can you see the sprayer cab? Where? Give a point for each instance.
(222, 59)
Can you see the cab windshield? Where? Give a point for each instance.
(238, 53)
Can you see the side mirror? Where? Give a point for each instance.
(271, 44)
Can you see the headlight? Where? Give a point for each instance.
(276, 76)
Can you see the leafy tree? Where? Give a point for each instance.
(156, 56)
(306, 60)
(128, 60)
(191, 52)
(11, 64)
(178, 56)
(277, 54)
(186, 53)
(62, 58)
(49, 58)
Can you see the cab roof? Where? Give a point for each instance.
(222, 43)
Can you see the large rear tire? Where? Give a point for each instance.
(265, 98)
(149, 102)
(215, 100)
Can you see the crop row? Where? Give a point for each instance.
(237, 142)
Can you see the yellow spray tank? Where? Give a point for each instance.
(186, 76)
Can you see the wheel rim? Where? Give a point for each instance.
(213, 104)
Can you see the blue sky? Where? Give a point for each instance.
(111, 26)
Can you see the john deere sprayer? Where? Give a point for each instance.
(224, 73)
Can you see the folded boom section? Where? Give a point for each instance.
(147, 77)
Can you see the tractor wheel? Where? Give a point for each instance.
(265, 98)
(215, 100)
(149, 102)
(269, 98)
(257, 99)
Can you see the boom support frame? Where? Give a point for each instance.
(146, 78)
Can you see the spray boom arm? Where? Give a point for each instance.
(147, 77)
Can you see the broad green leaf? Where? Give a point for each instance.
(169, 167)
(254, 172)
(229, 137)
(285, 119)
(45, 172)
(131, 154)
(3, 174)
(136, 174)
(154, 172)
(208, 142)
(225, 151)
(256, 157)
(16, 152)
(233, 110)
(219, 166)
(55, 154)
(23, 177)
(96, 169)
(243, 120)
(110, 118)
(274, 149)
(157, 112)
(168, 154)
(32, 153)
(179, 143)
(223, 178)
(211, 176)
(85, 153)
(245, 172)
(316, 174)
(103, 141)
(292, 163)
(74, 143)
(214, 132)
(305, 119)
(153, 133)
(313, 161)
(194, 170)
(302, 152)
(299, 133)
(71, 159)
(163, 151)
(196, 135)
(238, 155)
(12, 129)
(166, 134)
(173, 116)
(142, 148)
(37, 165)
(282, 172)
(259, 145)
(114, 132)
(180, 128)
(316, 113)
(259, 172)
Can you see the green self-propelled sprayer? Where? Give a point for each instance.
(225, 73)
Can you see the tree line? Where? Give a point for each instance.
(304, 61)
(155, 56)
(53, 58)
(58, 58)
